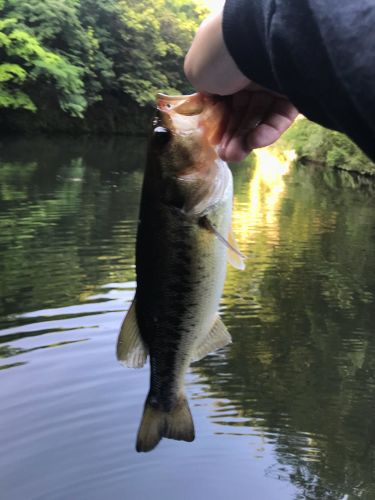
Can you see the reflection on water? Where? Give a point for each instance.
(286, 411)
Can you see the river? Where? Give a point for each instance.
(284, 412)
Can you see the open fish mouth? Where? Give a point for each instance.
(186, 105)
(187, 114)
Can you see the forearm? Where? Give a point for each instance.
(256, 117)
(208, 64)
(320, 54)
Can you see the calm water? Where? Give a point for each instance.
(285, 412)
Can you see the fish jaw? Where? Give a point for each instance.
(182, 158)
(187, 114)
(184, 105)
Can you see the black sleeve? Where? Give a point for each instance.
(319, 53)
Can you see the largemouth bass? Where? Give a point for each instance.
(183, 242)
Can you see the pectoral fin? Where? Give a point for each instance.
(131, 350)
(217, 337)
(235, 256)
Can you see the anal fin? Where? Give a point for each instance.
(217, 337)
(131, 350)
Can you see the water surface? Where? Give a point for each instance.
(285, 412)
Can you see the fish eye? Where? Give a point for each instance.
(162, 134)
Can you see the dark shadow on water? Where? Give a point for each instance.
(67, 206)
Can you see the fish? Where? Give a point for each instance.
(184, 240)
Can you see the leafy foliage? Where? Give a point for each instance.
(316, 143)
(154, 45)
(71, 54)
(28, 63)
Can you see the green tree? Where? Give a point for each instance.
(101, 20)
(74, 29)
(27, 64)
(154, 45)
(63, 57)
(315, 143)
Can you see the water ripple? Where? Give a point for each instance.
(285, 411)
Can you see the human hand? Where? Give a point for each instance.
(255, 118)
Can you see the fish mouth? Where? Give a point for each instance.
(186, 105)
(196, 114)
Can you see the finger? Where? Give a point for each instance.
(234, 148)
(238, 105)
(260, 104)
(277, 121)
(217, 120)
(286, 109)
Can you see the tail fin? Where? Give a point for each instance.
(156, 424)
